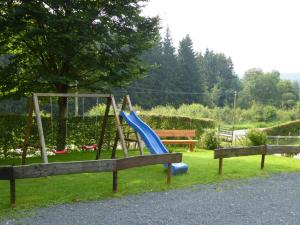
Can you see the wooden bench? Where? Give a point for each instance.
(189, 134)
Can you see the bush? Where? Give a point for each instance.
(256, 137)
(178, 122)
(290, 128)
(83, 132)
(210, 140)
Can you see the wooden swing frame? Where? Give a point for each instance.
(110, 102)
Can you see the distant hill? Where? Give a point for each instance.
(290, 76)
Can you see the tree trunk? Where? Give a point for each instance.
(62, 124)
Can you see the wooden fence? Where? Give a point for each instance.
(262, 150)
(12, 173)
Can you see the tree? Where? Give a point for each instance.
(288, 93)
(190, 79)
(260, 87)
(54, 43)
(217, 69)
(161, 77)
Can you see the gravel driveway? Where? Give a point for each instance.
(272, 200)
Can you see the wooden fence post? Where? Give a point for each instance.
(220, 166)
(262, 164)
(169, 173)
(115, 181)
(13, 192)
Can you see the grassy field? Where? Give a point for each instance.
(39, 192)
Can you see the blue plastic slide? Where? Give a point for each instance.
(151, 140)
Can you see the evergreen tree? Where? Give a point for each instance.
(218, 72)
(190, 79)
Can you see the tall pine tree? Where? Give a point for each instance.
(190, 79)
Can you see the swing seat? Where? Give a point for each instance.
(60, 152)
(89, 147)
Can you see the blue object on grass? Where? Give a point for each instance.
(151, 139)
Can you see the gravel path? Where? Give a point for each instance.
(273, 200)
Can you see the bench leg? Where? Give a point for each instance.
(191, 146)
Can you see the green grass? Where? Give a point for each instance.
(35, 193)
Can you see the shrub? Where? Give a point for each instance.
(178, 122)
(210, 139)
(256, 137)
(83, 131)
(290, 128)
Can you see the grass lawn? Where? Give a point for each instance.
(38, 192)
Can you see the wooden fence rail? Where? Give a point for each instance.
(12, 173)
(262, 150)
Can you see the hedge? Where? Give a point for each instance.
(289, 128)
(178, 122)
(81, 132)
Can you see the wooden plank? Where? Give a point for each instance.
(40, 128)
(239, 151)
(282, 149)
(72, 95)
(6, 172)
(148, 160)
(176, 133)
(52, 169)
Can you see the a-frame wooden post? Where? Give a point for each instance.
(104, 124)
(40, 128)
(138, 137)
(126, 101)
(27, 131)
(119, 127)
(113, 153)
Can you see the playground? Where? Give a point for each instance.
(110, 159)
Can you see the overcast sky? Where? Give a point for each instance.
(254, 33)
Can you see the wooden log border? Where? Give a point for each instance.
(12, 173)
(262, 150)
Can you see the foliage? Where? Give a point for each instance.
(59, 45)
(184, 78)
(261, 115)
(42, 192)
(178, 122)
(285, 129)
(267, 88)
(256, 137)
(41, 37)
(82, 131)
(210, 139)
